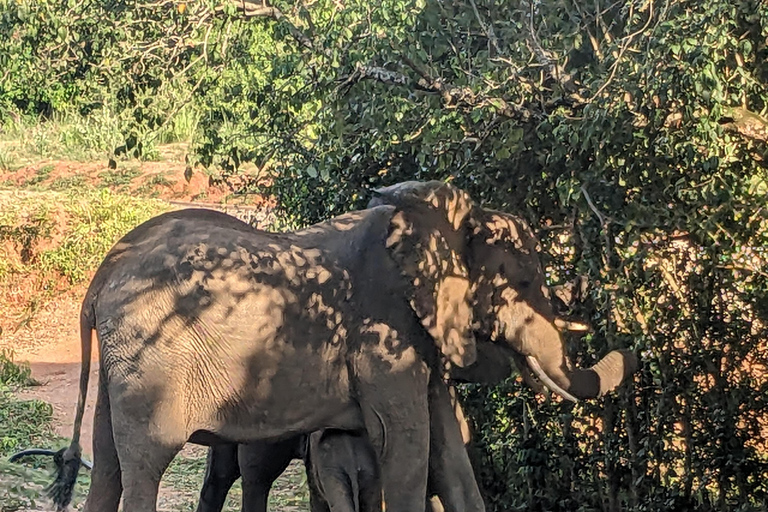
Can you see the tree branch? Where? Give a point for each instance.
(254, 10)
(745, 123)
(452, 96)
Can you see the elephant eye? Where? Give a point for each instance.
(524, 284)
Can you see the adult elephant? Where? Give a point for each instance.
(210, 333)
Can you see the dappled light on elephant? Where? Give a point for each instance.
(508, 300)
(244, 335)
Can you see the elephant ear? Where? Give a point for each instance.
(427, 238)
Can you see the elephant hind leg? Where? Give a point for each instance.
(142, 471)
(147, 441)
(221, 472)
(370, 495)
(261, 463)
(106, 485)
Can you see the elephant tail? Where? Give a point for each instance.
(37, 451)
(68, 460)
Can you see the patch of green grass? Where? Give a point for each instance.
(148, 189)
(14, 374)
(160, 179)
(185, 475)
(98, 219)
(182, 128)
(7, 160)
(67, 182)
(118, 177)
(25, 227)
(290, 491)
(40, 175)
(26, 424)
(23, 423)
(65, 136)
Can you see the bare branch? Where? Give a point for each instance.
(627, 40)
(452, 96)
(488, 29)
(545, 59)
(254, 10)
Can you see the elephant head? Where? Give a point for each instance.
(476, 274)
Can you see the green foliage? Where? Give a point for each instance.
(631, 135)
(98, 218)
(25, 424)
(13, 374)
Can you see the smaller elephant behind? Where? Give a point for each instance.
(344, 472)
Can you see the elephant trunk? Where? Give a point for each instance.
(547, 359)
(605, 376)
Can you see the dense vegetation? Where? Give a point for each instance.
(631, 135)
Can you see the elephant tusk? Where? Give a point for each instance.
(534, 365)
(37, 451)
(568, 325)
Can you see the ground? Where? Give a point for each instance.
(39, 302)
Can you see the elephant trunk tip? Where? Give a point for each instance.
(605, 376)
(67, 466)
(615, 368)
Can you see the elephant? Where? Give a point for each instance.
(211, 332)
(261, 463)
(345, 472)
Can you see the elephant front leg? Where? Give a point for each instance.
(393, 400)
(451, 476)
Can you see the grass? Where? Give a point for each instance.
(40, 176)
(25, 227)
(66, 135)
(13, 374)
(118, 177)
(76, 181)
(24, 424)
(98, 218)
(185, 474)
(71, 136)
(87, 223)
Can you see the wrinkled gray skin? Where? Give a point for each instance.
(261, 463)
(345, 472)
(212, 333)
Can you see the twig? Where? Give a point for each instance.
(488, 29)
(592, 207)
(625, 44)
(452, 96)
